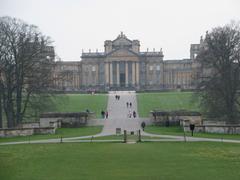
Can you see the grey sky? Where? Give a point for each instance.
(84, 24)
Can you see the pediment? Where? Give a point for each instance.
(122, 41)
(122, 53)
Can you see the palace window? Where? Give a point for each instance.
(150, 68)
(158, 67)
(93, 68)
(195, 55)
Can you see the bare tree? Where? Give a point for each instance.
(219, 81)
(25, 66)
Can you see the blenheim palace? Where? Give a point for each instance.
(122, 66)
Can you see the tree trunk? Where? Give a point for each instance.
(9, 107)
(19, 70)
(19, 101)
(19, 107)
(1, 117)
(10, 113)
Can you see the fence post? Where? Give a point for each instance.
(125, 136)
(139, 135)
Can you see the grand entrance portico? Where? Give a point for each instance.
(122, 73)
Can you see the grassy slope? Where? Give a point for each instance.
(179, 132)
(64, 132)
(81, 102)
(103, 161)
(72, 103)
(165, 101)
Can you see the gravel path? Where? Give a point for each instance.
(119, 113)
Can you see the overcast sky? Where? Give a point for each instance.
(85, 24)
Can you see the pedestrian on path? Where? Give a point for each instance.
(143, 124)
(117, 97)
(129, 114)
(127, 104)
(130, 104)
(106, 114)
(134, 114)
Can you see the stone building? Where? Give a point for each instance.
(67, 75)
(122, 66)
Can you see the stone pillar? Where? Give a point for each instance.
(118, 78)
(111, 74)
(96, 70)
(106, 73)
(133, 73)
(126, 74)
(137, 73)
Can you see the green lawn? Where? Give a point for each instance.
(81, 102)
(165, 101)
(113, 161)
(175, 130)
(64, 132)
(178, 131)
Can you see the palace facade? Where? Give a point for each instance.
(122, 66)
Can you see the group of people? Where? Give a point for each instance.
(117, 97)
(129, 104)
(104, 114)
(130, 114)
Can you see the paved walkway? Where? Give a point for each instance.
(118, 113)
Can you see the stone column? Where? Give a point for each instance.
(118, 78)
(126, 74)
(106, 72)
(111, 74)
(97, 78)
(133, 73)
(137, 73)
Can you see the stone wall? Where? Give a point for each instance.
(168, 118)
(29, 125)
(47, 130)
(77, 119)
(46, 122)
(26, 131)
(222, 129)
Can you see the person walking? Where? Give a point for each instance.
(134, 114)
(106, 114)
(127, 104)
(143, 124)
(129, 114)
(130, 104)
